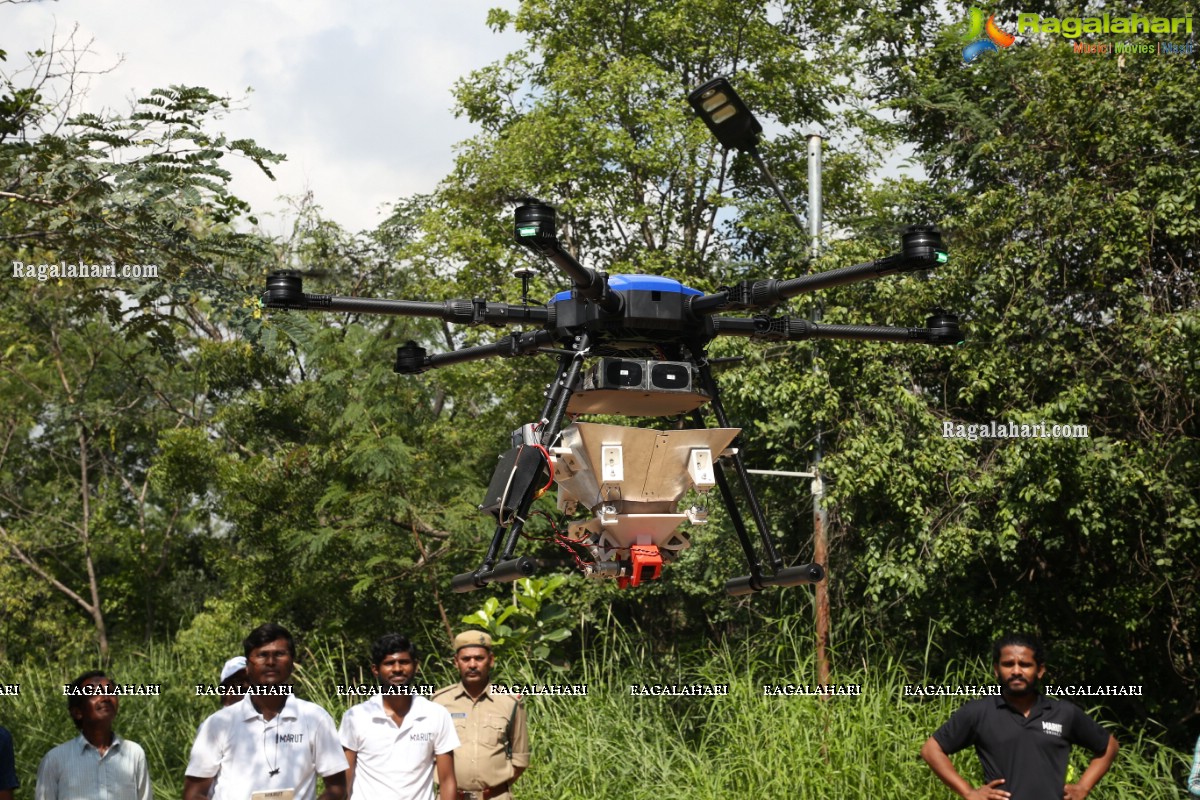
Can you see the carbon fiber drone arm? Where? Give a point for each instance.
(921, 248)
(942, 329)
(285, 291)
(411, 358)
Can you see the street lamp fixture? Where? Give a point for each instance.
(730, 120)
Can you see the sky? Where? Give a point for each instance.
(356, 94)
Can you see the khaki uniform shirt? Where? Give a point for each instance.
(483, 728)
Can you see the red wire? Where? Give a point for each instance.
(549, 467)
(562, 541)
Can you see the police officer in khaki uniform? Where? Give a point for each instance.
(491, 726)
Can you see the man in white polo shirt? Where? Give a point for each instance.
(394, 740)
(270, 745)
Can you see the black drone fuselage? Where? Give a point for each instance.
(624, 314)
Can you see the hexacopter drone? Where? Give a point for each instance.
(633, 345)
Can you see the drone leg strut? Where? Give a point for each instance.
(735, 513)
(564, 389)
(739, 467)
(552, 389)
(494, 548)
(509, 568)
(755, 581)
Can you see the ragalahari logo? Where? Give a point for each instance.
(984, 37)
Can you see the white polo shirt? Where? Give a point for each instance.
(395, 762)
(241, 749)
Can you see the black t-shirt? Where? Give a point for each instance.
(1030, 753)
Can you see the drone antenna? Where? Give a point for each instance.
(524, 273)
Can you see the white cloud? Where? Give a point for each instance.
(356, 94)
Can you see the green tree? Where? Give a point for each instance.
(1067, 186)
(347, 492)
(95, 371)
(591, 114)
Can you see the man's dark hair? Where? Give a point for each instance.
(75, 698)
(1019, 640)
(392, 643)
(267, 633)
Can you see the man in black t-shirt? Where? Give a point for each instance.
(1023, 739)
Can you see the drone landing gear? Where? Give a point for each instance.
(757, 580)
(518, 491)
(510, 570)
(632, 481)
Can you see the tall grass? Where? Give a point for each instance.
(750, 745)
(612, 744)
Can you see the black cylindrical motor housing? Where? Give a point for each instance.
(920, 247)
